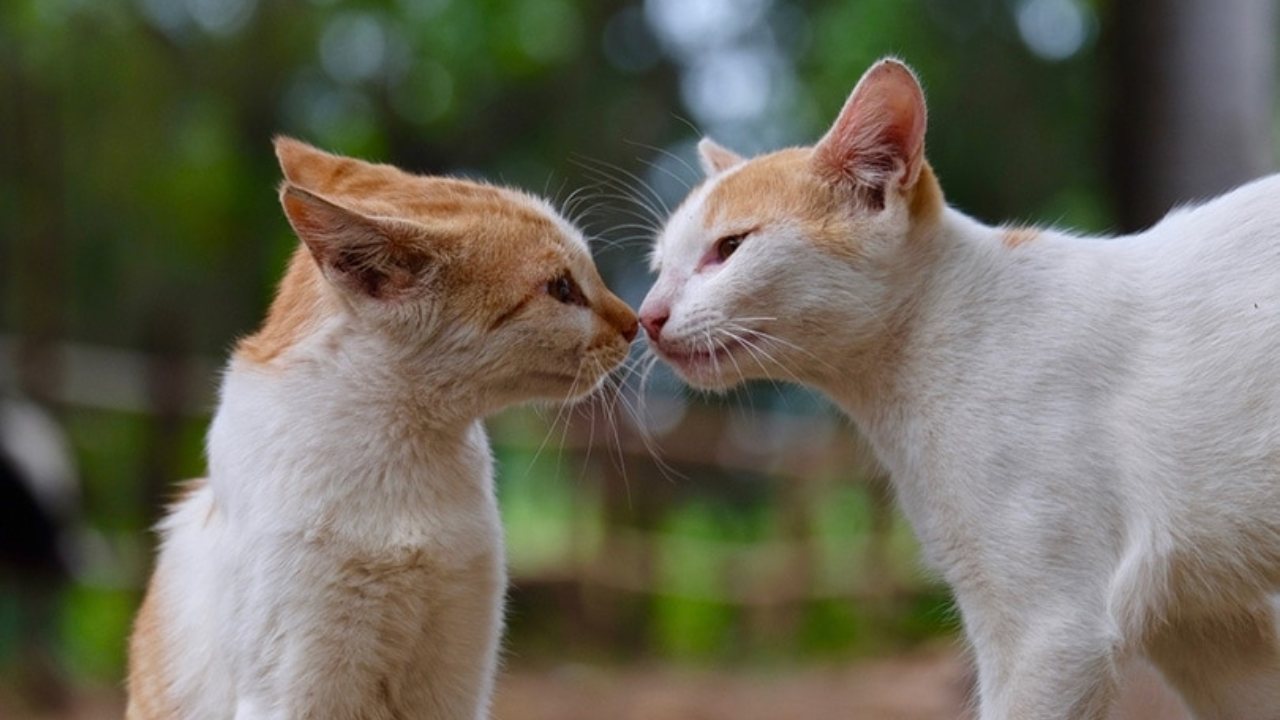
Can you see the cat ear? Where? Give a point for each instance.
(371, 256)
(310, 167)
(716, 158)
(878, 137)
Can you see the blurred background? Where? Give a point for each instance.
(673, 554)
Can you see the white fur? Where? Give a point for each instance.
(1085, 433)
(341, 562)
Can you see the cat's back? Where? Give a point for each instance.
(1209, 276)
(1237, 232)
(1201, 391)
(1160, 346)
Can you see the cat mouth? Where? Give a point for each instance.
(699, 357)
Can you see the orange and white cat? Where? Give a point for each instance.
(344, 557)
(1084, 432)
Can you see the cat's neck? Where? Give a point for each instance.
(337, 440)
(961, 285)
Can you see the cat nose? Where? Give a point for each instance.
(630, 329)
(653, 322)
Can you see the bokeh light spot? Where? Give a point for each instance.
(353, 47)
(1053, 29)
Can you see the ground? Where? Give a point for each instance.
(921, 686)
(927, 686)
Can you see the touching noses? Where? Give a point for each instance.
(653, 319)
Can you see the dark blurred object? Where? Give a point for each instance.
(38, 494)
(38, 518)
(1194, 88)
(28, 531)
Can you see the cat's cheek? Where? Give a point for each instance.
(606, 350)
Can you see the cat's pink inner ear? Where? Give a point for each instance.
(371, 256)
(716, 158)
(879, 134)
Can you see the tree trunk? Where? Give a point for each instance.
(1193, 101)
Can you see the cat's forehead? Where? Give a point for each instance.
(771, 187)
(447, 204)
(491, 225)
(532, 227)
(762, 190)
(682, 227)
(505, 239)
(432, 200)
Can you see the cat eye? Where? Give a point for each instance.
(564, 289)
(729, 244)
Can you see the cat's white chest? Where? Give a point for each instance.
(369, 568)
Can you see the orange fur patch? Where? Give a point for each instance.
(149, 692)
(778, 186)
(493, 247)
(297, 308)
(926, 196)
(1016, 237)
(148, 682)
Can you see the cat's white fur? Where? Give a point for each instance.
(280, 587)
(1084, 432)
(344, 559)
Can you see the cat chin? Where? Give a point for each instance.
(702, 377)
(716, 372)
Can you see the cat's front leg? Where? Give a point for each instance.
(1043, 669)
(459, 657)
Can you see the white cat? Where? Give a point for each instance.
(344, 558)
(1084, 432)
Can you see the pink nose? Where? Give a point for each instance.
(653, 322)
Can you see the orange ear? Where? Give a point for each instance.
(879, 135)
(310, 167)
(375, 257)
(716, 158)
